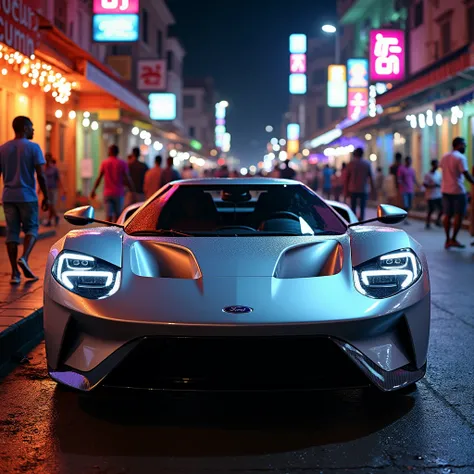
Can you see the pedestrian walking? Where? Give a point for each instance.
(137, 171)
(406, 184)
(153, 178)
(55, 186)
(287, 172)
(338, 183)
(379, 185)
(358, 177)
(114, 171)
(454, 168)
(434, 197)
(393, 171)
(190, 173)
(327, 184)
(20, 160)
(169, 173)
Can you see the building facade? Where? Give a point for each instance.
(199, 100)
(434, 104)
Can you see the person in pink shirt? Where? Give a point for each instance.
(406, 182)
(115, 174)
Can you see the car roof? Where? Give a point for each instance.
(235, 181)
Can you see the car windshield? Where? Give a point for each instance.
(236, 210)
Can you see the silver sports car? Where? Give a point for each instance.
(237, 284)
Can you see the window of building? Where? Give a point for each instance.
(192, 132)
(159, 44)
(418, 14)
(470, 19)
(189, 101)
(170, 59)
(145, 25)
(320, 113)
(445, 37)
(60, 15)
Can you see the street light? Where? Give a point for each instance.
(332, 30)
(329, 28)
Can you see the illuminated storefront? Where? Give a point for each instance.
(33, 85)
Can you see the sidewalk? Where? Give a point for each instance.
(21, 316)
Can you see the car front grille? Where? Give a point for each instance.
(236, 364)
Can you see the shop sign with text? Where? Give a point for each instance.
(19, 25)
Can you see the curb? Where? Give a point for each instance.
(19, 338)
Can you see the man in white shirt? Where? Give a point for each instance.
(454, 167)
(434, 196)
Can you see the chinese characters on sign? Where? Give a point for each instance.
(387, 55)
(116, 6)
(337, 86)
(19, 29)
(358, 92)
(298, 63)
(151, 75)
(358, 103)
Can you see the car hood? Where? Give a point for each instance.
(280, 257)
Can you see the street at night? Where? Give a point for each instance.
(45, 429)
(236, 237)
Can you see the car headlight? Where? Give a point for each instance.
(388, 274)
(86, 276)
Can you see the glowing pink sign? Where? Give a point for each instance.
(116, 6)
(298, 63)
(357, 103)
(387, 55)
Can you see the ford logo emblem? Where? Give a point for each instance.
(237, 309)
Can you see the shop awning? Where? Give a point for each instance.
(105, 83)
(362, 124)
(438, 73)
(466, 95)
(97, 81)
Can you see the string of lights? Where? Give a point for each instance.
(36, 73)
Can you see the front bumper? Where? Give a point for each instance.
(386, 351)
(168, 365)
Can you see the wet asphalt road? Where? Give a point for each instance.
(44, 429)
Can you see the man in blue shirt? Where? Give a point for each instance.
(20, 159)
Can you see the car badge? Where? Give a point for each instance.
(237, 309)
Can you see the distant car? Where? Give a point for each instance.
(244, 284)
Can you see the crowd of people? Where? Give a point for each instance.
(23, 168)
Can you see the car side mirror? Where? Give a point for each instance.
(387, 214)
(80, 215)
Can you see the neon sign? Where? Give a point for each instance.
(358, 73)
(358, 103)
(387, 55)
(298, 63)
(162, 106)
(115, 28)
(116, 6)
(337, 86)
(298, 47)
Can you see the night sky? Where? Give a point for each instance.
(243, 45)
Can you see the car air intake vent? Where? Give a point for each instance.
(163, 260)
(311, 260)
